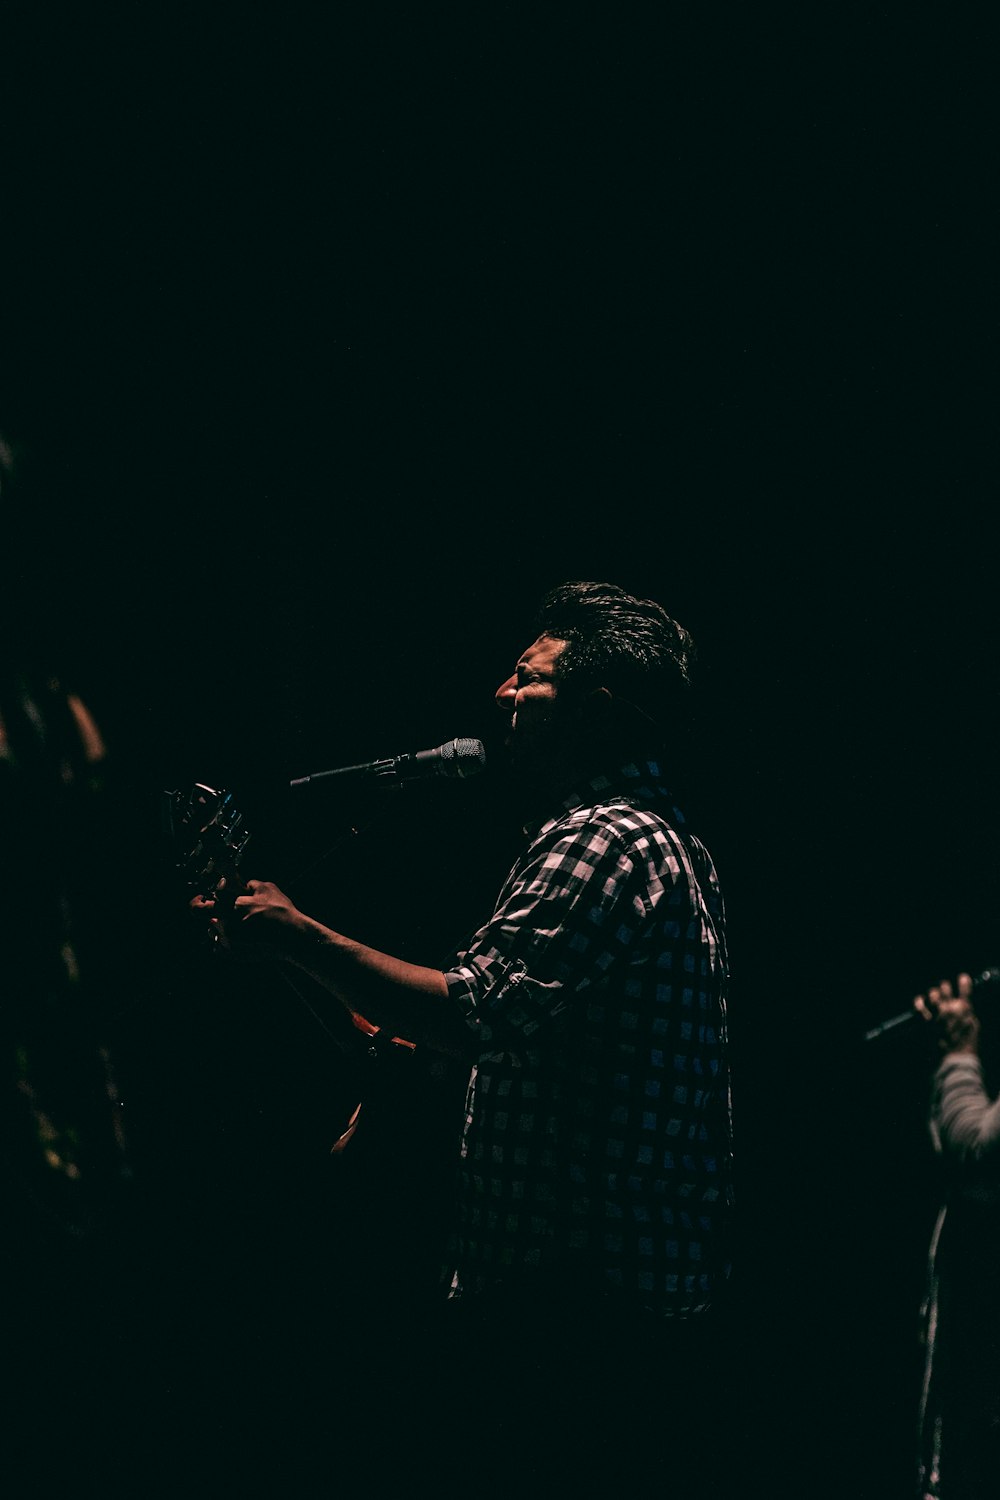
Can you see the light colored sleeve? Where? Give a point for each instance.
(965, 1121)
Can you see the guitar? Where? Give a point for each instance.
(209, 839)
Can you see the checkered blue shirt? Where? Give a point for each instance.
(598, 1121)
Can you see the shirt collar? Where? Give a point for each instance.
(640, 779)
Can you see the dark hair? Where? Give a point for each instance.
(629, 645)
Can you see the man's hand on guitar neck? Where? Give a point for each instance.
(256, 920)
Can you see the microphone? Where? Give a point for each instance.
(456, 759)
(988, 976)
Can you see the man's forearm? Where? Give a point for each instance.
(409, 1000)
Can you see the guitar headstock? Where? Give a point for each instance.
(207, 835)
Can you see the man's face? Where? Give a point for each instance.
(529, 698)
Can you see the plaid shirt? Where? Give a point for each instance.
(598, 1120)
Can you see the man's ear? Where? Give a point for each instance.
(597, 705)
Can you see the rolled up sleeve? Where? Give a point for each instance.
(566, 919)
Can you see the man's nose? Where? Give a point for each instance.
(506, 693)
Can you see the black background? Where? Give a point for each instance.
(331, 339)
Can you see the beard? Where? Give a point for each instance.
(544, 753)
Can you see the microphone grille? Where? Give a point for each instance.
(462, 757)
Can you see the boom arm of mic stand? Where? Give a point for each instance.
(382, 771)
